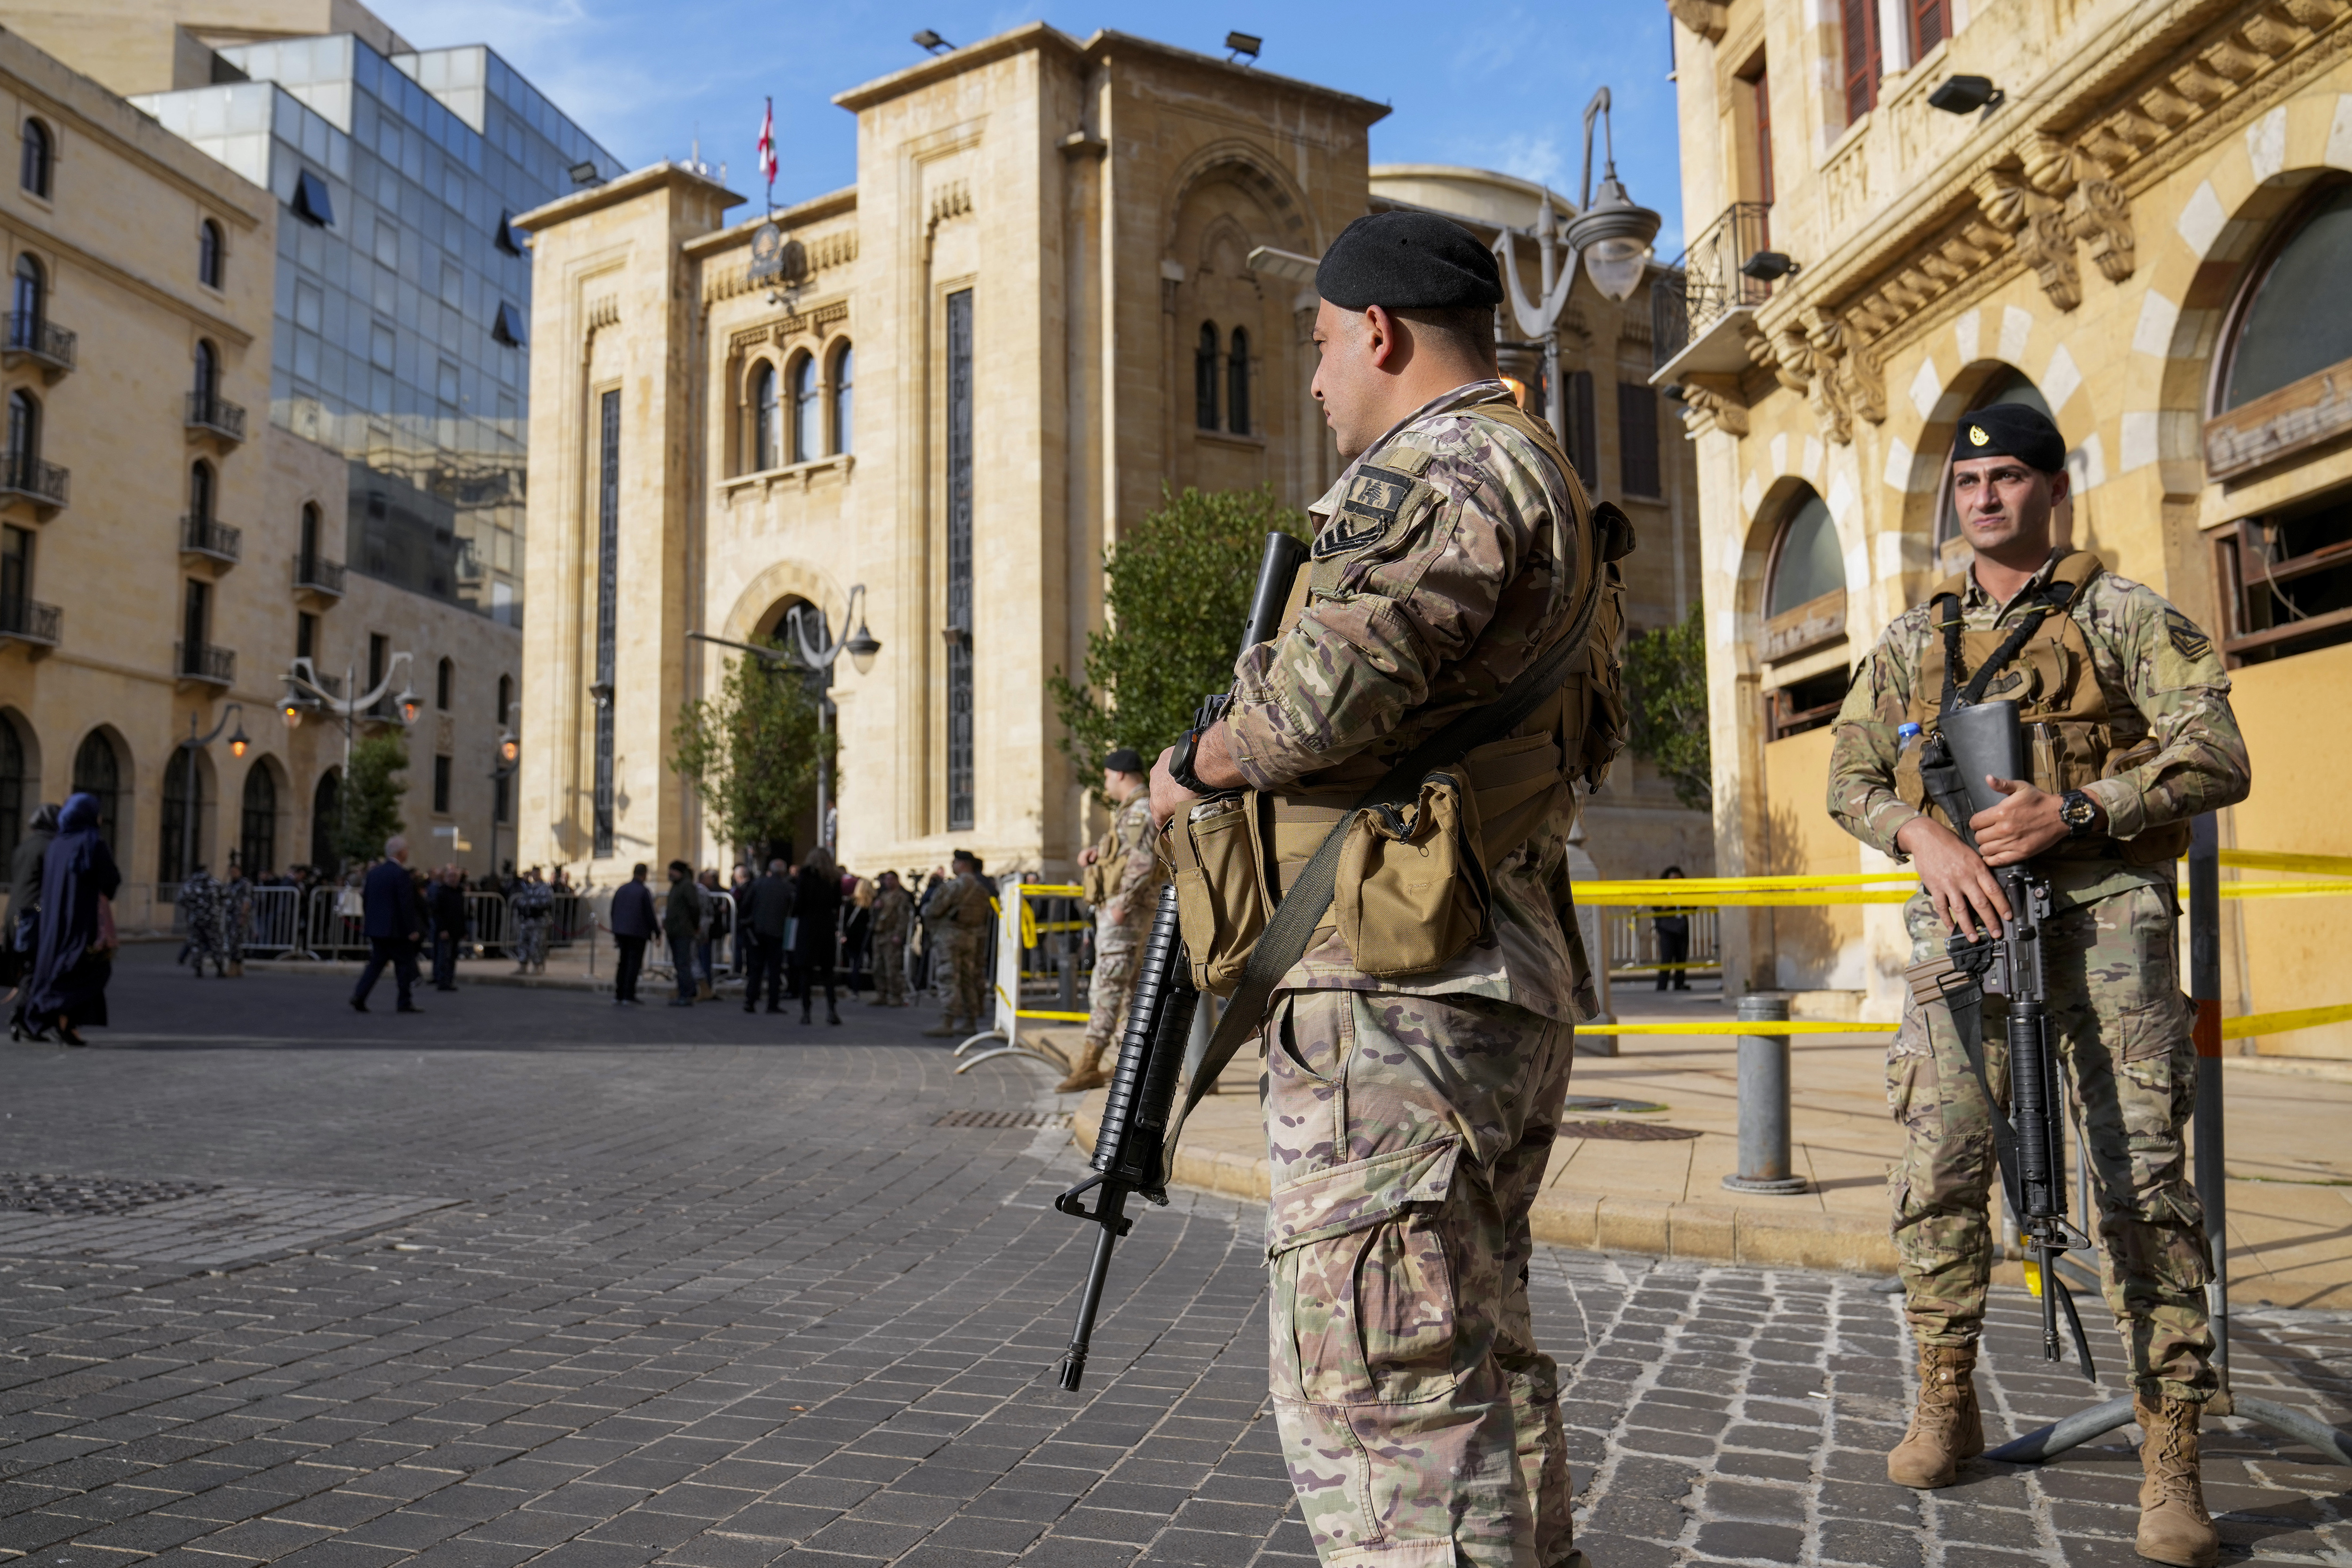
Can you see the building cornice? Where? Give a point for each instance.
(612, 192)
(800, 214)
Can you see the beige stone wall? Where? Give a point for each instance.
(117, 241)
(161, 46)
(2088, 234)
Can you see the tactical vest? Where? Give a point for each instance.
(1412, 889)
(2043, 663)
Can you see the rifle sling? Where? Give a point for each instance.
(1292, 926)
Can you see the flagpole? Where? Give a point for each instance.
(769, 155)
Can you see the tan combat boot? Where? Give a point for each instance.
(1946, 1428)
(946, 1029)
(1088, 1073)
(2173, 1524)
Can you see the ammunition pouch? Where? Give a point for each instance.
(1095, 880)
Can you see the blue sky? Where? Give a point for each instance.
(1500, 86)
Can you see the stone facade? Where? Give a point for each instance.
(1042, 232)
(2089, 239)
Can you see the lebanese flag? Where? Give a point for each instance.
(768, 142)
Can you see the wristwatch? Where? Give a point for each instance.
(1180, 760)
(2079, 812)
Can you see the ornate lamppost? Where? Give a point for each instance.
(304, 691)
(817, 654)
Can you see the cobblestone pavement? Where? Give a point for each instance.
(718, 1292)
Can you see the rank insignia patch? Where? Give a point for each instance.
(2187, 640)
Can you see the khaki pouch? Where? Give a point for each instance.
(1218, 897)
(1093, 879)
(1411, 891)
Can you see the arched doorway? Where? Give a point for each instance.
(326, 814)
(98, 770)
(19, 783)
(180, 838)
(257, 821)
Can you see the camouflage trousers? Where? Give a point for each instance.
(967, 988)
(1409, 1136)
(2121, 1028)
(531, 941)
(891, 969)
(1117, 948)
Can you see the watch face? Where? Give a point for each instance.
(2078, 811)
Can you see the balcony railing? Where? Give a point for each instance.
(22, 474)
(316, 576)
(1710, 284)
(210, 411)
(205, 663)
(29, 620)
(38, 339)
(202, 536)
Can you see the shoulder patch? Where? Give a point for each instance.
(2187, 640)
(1373, 499)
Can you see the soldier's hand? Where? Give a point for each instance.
(2021, 827)
(1168, 797)
(1953, 876)
(1087, 856)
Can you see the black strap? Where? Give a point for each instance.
(1293, 925)
(1951, 625)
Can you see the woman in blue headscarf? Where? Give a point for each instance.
(74, 956)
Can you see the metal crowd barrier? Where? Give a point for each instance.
(277, 923)
(490, 924)
(1634, 945)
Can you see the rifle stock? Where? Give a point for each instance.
(1129, 1146)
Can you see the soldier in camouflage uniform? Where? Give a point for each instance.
(199, 901)
(2118, 1019)
(1410, 1118)
(894, 916)
(960, 905)
(1129, 875)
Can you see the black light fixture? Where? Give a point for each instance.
(584, 173)
(1966, 94)
(1243, 44)
(927, 39)
(1770, 265)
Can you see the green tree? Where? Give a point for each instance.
(1180, 583)
(752, 751)
(369, 802)
(1665, 697)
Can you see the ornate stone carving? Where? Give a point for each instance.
(1712, 408)
(1708, 18)
(2167, 107)
(2000, 196)
(2049, 249)
(2231, 60)
(2309, 14)
(2199, 86)
(2267, 34)
(1866, 375)
(2099, 215)
(2050, 165)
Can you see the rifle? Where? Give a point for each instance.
(1975, 739)
(1128, 1146)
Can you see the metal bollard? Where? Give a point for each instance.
(1764, 1162)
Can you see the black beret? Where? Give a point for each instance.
(1408, 261)
(2011, 430)
(1124, 761)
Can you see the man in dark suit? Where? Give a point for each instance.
(633, 924)
(768, 913)
(393, 926)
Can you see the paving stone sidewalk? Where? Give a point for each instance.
(718, 1292)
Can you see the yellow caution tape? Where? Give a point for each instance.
(1058, 1018)
(2253, 1024)
(2281, 890)
(1051, 891)
(2277, 860)
(1797, 892)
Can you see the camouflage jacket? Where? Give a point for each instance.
(2148, 658)
(960, 902)
(1129, 840)
(894, 912)
(1410, 622)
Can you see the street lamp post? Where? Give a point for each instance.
(304, 690)
(1611, 235)
(237, 743)
(507, 765)
(817, 654)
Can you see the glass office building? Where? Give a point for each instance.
(403, 297)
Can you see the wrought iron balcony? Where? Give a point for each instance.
(43, 484)
(30, 621)
(204, 664)
(37, 340)
(217, 541)
(1707, 283)
(213, 414)
(314, 575)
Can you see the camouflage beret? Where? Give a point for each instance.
(2011, 430)
(1408, 261)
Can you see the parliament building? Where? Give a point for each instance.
(952, 385)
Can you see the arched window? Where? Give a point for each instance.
(98, 770)
(326, 822)
(2290, 323)
(844, 364)
(807, 410)
(28, 303)
(309, 561)
(23, 439)
(767, 426)
(207, 371)
(1804, 619)
(179, 848)
(506, 700)
(200, 493)
(33, 166)
(12, 791)
(445, 681)
(212, 255)
(1205, 378)
(1237, 396)
(258, 823)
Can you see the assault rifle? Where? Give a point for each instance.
(1975, 739)
(1130, 1144)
